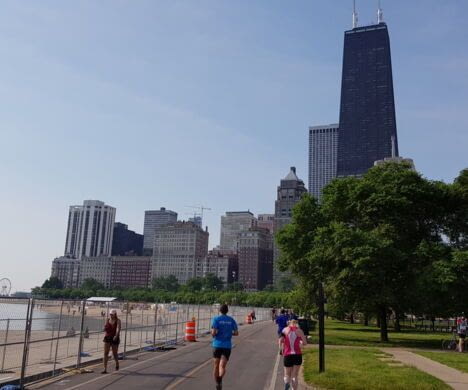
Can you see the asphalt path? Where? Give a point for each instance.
(254, 364)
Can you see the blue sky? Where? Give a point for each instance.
(144, 104)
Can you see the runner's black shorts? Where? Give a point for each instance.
(292, 360)
(110, 340)
(218, 352)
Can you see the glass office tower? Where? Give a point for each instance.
(367, 110)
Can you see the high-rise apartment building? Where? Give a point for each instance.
(266, 221)
(130, 272)
(67, 270)
(232, 224)
(367, 109)
(255, 258)
(153, 220)
(178, 247)
(117, 271)
(90, 229)
(323, 149)
(126, 242)
(223, 264)
(289, 192)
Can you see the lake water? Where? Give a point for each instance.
(42, 320)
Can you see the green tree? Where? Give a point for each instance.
(212, 282)
(194, 284)
(166, 283)
(53, 282)
(364, 240)
(236, 286)
(285, 283)
(92, 285)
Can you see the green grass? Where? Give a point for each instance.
(360, 369)
(343, 333)
(452, 359)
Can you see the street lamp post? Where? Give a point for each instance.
(321, 307)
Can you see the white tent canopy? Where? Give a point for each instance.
(101, 299)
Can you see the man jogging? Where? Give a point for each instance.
(282, 322)
(223, 327)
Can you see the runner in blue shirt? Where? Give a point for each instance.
(223, 327)
(282, 322)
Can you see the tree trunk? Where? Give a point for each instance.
(378, 319)
(351, 318)
(366, 319)
(383, 325)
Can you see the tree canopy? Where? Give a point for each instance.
(389, 240)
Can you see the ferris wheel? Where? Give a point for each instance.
(5, 287)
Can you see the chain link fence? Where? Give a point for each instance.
(41, 338)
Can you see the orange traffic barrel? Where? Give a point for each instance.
(190, 330)
(248, 319)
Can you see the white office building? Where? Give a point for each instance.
(97, 268)
(233, 223)
(154, 219)
(90, 230)
(178, 247)
(323, 152)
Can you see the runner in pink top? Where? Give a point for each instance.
(290, 344)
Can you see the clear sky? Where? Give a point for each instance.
(144, 104)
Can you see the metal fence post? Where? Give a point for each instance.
(177, 323)
(52, 341)
(198, 321)
(58, 339)
(141, 327)
(155, 324)
(27, 335)
(5, 341)
(126, 330)
(80, 341)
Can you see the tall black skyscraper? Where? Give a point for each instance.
(367, 110)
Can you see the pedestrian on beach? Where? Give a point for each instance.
(223, 327)
(111, 339)
(290, 346)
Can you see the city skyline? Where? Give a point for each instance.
(60, 77)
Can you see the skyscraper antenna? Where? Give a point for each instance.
(355, 18)
(379, 13)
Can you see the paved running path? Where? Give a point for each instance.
(451, 376)
(254, 364)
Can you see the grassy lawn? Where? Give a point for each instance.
(452, 359)
(360, 369)
(343, 333)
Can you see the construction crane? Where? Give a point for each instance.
(201, 210)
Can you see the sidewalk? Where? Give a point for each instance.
(451, 376)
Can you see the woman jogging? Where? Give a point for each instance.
(290, 345)
(111, 339)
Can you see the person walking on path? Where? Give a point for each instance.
(462, 326)
(111, 339)
(223, 327)
(290, 346)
